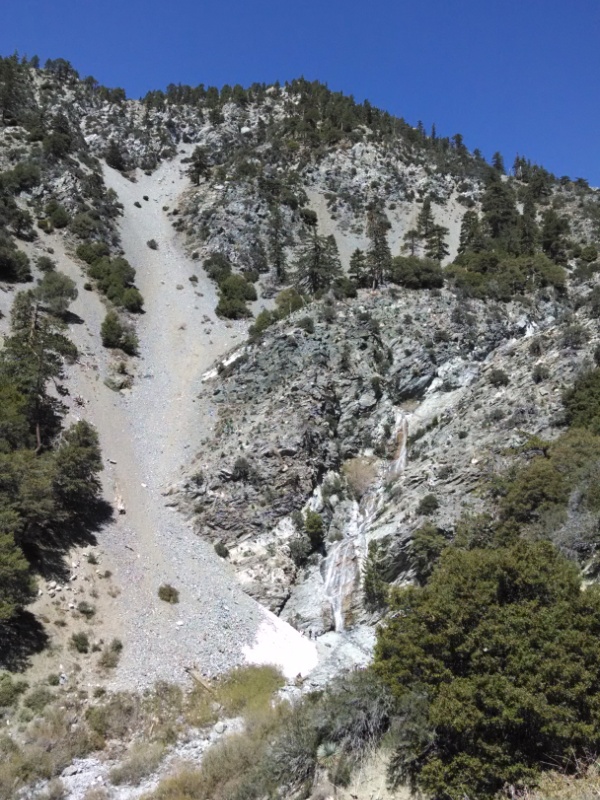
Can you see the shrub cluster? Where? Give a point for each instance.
(114, 276)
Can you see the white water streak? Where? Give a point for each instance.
(345, 558)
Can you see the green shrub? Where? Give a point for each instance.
(86, 609)
(426, 547)
(540, 373)
(38, 699)
(481, 662)
(574, 336)
(498, 377)
(45, 264)
(314, 528)
(249, 689)
(14, 264)
(10, 690)
(221, 549)
(132, 300)
(416, 273)
(307, 324)
(501, 277)
(110, 655)
(428, 505)
(152, 244)
(142, 760)
(168, 593)
(116, 334)
(234, 293)
(92, 251)
(582, 402)
(300, 549)
(218, 267)
(264, 319)
(80, 642)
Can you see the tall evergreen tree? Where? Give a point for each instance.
(411, 241)
(528, 228)
(498, 207)
(436, 247)
(554, 228)
(318, 264)
(379, 256)
(276, 241)
(425, 219)
(358, 268)
(198, 167)
(471, 235)
(498, 163)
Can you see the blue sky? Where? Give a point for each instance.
(510, 75)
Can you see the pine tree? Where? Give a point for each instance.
(358, 268)
(379, 256)
(318, 264)
(16, 583)
(412, 239)
(552, 235)
(436, 247)
(375, 589)
(276, 240)
(528, 228)
(498, 163)
(78, 461)
(471, 235)
(198, 167)
(33, 355)
(425, 220)
(498, 206)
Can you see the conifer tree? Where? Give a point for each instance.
(379, 256)
(198, 165)
(471, 235)
(554, 227)
(318, 264)
(358, 268)
(425, 220)
(411, 241)
(276, 240)
(375, 589)
(498, 206)
(498, 163)
(436, 247)
(528, 228)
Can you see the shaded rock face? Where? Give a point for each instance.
(298, 412)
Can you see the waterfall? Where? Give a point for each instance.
(345, 558)
(401, 434)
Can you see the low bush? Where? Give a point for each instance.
(416, 273)
(117, 334)
(80, 642)
(10, 690)
(360, 474)
(38, 699)
(428, 505)
(142, 760)
(168, 593)
(152, 244)
(221, 549)
(234, 293)
(498, 378)
(110, 655)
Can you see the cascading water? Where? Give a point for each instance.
(345, 558)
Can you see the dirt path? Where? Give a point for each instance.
(147, 433)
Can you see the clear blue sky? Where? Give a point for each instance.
(513, 75)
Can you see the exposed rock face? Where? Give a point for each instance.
(297, 410)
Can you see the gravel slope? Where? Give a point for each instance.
(150, 431)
